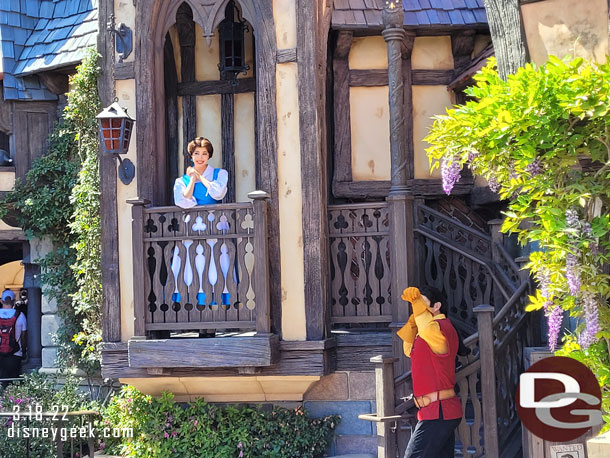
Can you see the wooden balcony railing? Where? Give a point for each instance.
(360, 274)
(201, 268)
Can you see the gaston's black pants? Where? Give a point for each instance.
(433, 438)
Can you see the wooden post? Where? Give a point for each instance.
(506, 27)
(137, 237)
(484, 315)
(261, 268)
(384, 396)
(394, 35)
(497, 239)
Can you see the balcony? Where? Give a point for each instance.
(201, 270)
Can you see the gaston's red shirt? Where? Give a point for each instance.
(433, 372)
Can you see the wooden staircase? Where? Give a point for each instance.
(487, 293)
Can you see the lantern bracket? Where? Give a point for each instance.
(124, 44)
(127, 170)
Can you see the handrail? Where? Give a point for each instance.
(358, 205)
(474, 337)
(174, 208)
(504, 310)
(472, 257)
(507, 257)
(454, 222)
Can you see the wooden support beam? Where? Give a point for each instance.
(111, 291)
(194, 88)
(462, 45)
(379, 77)
(287, 55)
(227, 114)
(186, 36)
(507, 34)
(204, 353)
(343, 145)
(313, 171)
(171, 113)
(126, 71)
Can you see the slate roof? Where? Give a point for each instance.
(359, 14)
(40, 35)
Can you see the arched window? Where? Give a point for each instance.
(200, 101)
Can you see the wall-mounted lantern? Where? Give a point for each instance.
(232, 44)
(115, 133)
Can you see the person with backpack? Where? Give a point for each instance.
(13, 327)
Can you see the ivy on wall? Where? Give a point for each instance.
(59, 201)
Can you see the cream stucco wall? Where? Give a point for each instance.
(126, 91)
(6, 227)
(245, 166)
(370, 133)
(432, 53)
(209, 124)
(228, 389)
(368, 53)
(7, 181)
(427, 102)
(285, 20)
(206, 57)
(480, 43)
(562, 27)
(125, 12)
(290, 203)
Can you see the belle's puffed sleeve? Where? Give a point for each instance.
(218, 187)
(179, 199)
(427, 327)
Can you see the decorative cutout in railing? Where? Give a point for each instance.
(465, 283)
(461, 235)
(199, 266)
(360, 263)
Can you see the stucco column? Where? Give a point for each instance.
(394, 35)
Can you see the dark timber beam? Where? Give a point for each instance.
(111, 291)
(343, 146)
(186, 35)
(171, 112)
(462, 45)
(216, 87)
(506, 27)
(313, 170)
(227, 113)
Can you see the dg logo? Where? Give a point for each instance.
(559, 399)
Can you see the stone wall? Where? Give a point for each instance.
(348, 394)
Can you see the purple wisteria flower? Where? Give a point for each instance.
(587, 336)
(472, 155)
(572, 220)
(493, 184)
(573, 273)
(450, 173)
(554, 316)
(534, 168)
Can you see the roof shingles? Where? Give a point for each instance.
(348, 13)
(41, 35)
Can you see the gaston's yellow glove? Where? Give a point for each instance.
(424, 324)
(408, 333)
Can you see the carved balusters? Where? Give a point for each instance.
(359, 256)
(202, 263)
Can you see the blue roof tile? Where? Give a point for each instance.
(46, 10)
(3, 17)
(456, 17)
(10, 93)
(422, 18)
(14, 6)
(457, 13)
(14, 19)
(7, 49)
